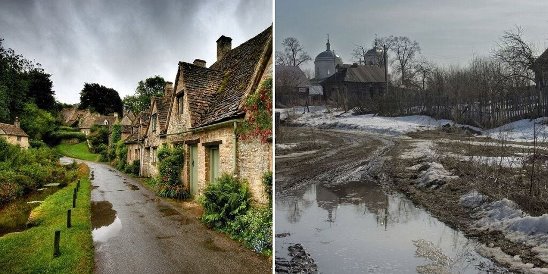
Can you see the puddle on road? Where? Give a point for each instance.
(104, 221)
(359, 228)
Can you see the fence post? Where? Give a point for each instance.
(74, 199)
(69, 224)
(57, 239)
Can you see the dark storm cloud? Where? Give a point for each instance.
(118, 43)
(449, 32)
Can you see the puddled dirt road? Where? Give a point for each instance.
(135, 232)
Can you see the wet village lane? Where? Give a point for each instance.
(135, 232)
(333, 199)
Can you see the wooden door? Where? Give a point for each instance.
(193, 169)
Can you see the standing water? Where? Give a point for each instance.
(357, 227)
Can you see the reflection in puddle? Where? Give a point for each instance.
(357, 227)
(104, 221)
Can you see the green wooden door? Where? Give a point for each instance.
(193, 169)
(213, 163)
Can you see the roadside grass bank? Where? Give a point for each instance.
(31, 251)
(79, 151)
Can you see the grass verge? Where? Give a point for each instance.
(31, 251)
(79, 151)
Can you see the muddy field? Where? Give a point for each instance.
(334, 195)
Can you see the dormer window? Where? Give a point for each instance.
(153, 121)
(180, 104)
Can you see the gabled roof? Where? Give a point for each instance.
(240, 77)
(291, 76)
(542, 60)
(163, 105)
(9, 129)
(357, 74)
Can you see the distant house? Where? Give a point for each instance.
(354, 84)
(14, 134)
(94, 119)
(292, 86)
(155, 135)
(135, 141)
(541, 70)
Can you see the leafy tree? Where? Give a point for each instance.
(37, 122)
(40, 89)
(100, 99)
(293, 53)
(152, 86)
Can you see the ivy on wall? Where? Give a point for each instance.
(258, 108)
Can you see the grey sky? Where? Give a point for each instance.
(449, 32)
(118, 43)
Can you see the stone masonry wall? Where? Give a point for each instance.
(254, 159)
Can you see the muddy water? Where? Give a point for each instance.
(358, 228)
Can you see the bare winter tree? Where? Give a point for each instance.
(423, 68)
(517, 54)
(405, 51)
(293, 53)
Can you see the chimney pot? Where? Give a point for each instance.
(224, 45)
(16, 123)
(200, 63)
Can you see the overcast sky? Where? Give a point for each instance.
(449, 32)
(118, 43)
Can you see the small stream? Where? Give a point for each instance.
(358, 228)
(14, 215)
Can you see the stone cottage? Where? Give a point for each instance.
(155, 135)
(14, 134)
(208, 106)
(135, 141)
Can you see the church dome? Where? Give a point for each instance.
(328, 54)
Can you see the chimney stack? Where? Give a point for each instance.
(224, 45)
(16, 123)
(202, 63)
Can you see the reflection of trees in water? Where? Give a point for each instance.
(295, 205)
(367, 197)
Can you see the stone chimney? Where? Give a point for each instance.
(224, 45)
(16, 123)
(200, 62)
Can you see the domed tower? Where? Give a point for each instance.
(326, 62)
(373, 56)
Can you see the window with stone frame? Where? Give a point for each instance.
(153, 121)
(180, 104)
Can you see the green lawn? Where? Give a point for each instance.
(31, 251)
(79, 151)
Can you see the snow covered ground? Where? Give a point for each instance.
(505, 216)
(319, 116)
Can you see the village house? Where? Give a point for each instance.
(541, 70)
(155, 135)
(292, 86)
(354, 83)
(135, 141)
(14, 134)
(95, 119)
(205, 108)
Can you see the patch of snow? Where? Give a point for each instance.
(419, 149)
(296, 154)
(434, 176)
(521, 131)
(472, 199)
(515, 262)
(508, 162)
(286, 146)
(505, 216)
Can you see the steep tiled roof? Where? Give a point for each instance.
(291, 76)
(200, 85)
(8, 129)
(238, 66)
(163, 105)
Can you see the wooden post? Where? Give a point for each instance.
(57, 239)
(74, 199)
(68, 219)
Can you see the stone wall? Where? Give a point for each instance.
(12, 139)
(254, 159)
